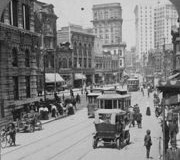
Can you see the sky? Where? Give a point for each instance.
(69, 11)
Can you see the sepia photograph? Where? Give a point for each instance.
(89, 79)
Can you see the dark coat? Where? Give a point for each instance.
(147, 141)
(173, 154)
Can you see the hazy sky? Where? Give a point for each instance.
(69, 11)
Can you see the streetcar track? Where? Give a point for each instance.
(54, 142)
(84, 155)
(41, 139)
(69, 147)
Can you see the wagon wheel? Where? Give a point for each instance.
(95, 142)
(127, 138)
(31, 128)
(3, 142)
(118, 143)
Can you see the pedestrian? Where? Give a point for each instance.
(173, 129)
(147, 142)
(131, 118)
(53, 110)
(148, 111)
(139, 119)
(173, 153)
(86, 94)
(142, 91)
(11, 131)
(78, 99)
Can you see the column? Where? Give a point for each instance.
(178, 134)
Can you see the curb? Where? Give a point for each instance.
(51, 120)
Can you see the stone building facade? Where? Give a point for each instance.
(82, 43)
(64, 62)
(18, 44)
(45, 26)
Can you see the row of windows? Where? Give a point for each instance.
(13, 13)
(15, 58)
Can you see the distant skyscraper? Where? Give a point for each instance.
(165, 17)
(144, 15)
(107, 23)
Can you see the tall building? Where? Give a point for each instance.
(144, 25)
(165, 17)
(107, 23)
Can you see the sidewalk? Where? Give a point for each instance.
(79, 106)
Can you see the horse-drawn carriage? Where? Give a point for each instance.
(111, 127)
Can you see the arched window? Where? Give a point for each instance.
(64, 63)
(27, 58)
(89, 50)
(80, 50)
(14, 57)
(60, 63)
(85, 48)
(75, 48)
(70, 62)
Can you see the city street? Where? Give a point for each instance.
(71, 139)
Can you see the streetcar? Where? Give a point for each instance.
(92, 102)
(114, 101)
(133, 84)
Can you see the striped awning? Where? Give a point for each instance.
(53, 77)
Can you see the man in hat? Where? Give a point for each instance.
(173, 153)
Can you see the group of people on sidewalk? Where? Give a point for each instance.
(135, 116)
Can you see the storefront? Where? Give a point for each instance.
(79, 80)
(54, 81)
(171, 102)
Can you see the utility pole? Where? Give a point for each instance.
(163, 105)
(164, 58)
(44, 74)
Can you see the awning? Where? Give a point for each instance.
(53, 77)
(79, 76)
(174, 76)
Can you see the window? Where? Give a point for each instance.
(15, 88)
(120, 52)
(13, 13)
(28, 90)
(120, 63)
(52, 61)
(85, 63)
(89, 61)
(64, 63)
(27, 58)
(75, 62)
(26, 16)
(14, 57)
